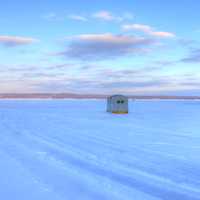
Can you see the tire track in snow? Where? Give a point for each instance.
(22, 150)
(143, 182)
(132, 159)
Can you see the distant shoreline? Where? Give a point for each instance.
(52, 96)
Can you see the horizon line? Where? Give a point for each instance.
(64, 95)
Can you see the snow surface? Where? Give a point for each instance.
(73, 149)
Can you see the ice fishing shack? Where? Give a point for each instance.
(117, 104)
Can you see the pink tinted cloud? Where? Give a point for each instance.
(162, 34)
(12, 41)
(104, 15)
(148, 30)
(104, 46)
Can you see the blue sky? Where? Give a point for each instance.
(100, 47)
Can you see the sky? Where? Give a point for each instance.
(100, 47)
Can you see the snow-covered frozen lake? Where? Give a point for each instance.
(74, 150)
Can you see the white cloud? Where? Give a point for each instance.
(50, 16)
(109, 16)
(103, 15)
(78, 18)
